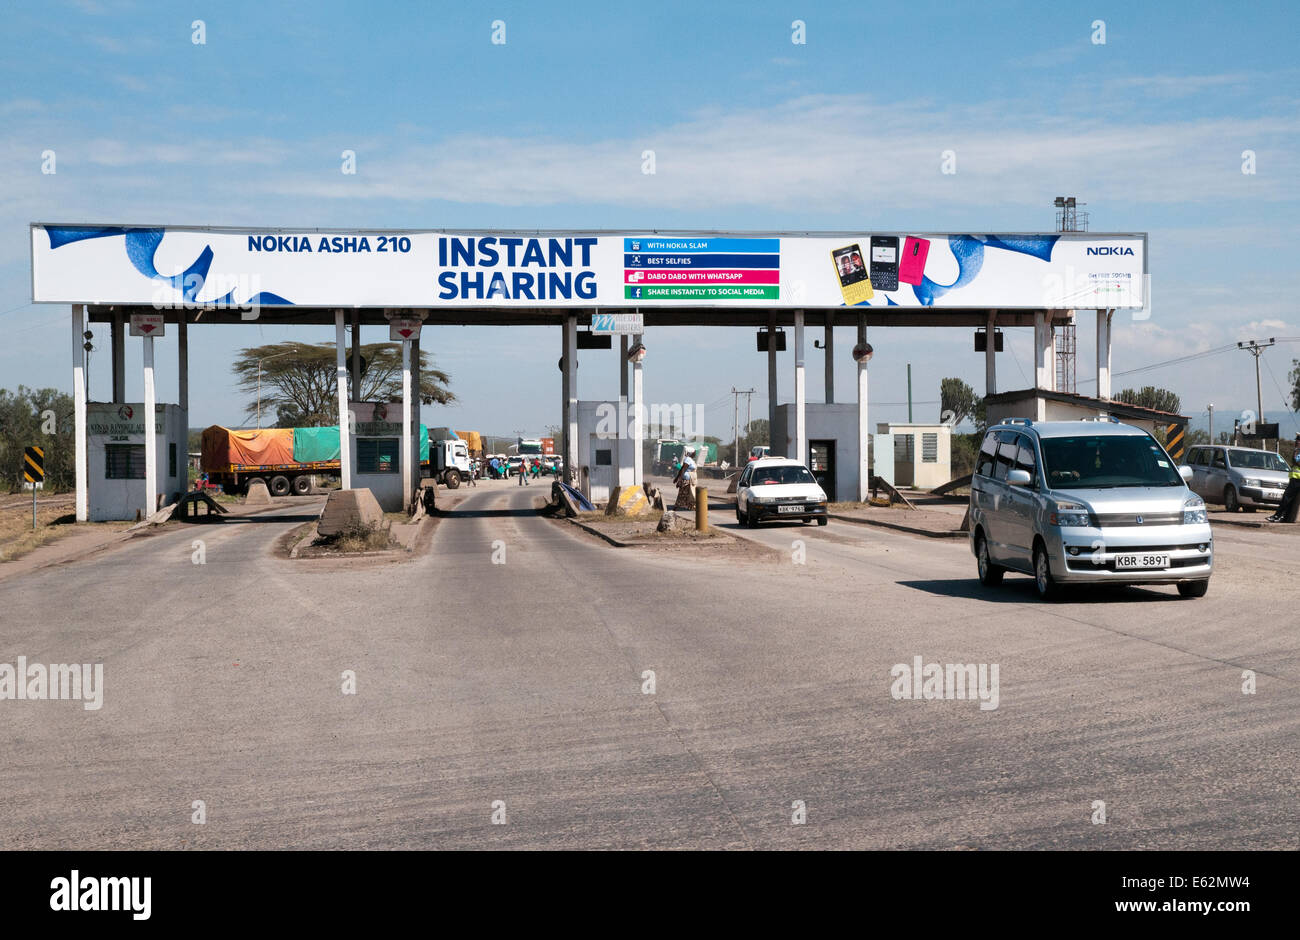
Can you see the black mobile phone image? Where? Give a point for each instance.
(884, 262)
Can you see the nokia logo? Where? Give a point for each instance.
(1110, 250)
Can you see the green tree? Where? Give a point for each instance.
(1159, 399)
(40, 417)
(1295, 384)
(962, 401)
(299, 380)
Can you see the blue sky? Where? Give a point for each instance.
(750, 132)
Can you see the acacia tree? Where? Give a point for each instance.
(299, 380)
(1159, 399)
(963, 401)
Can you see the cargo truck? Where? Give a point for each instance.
(285, 459)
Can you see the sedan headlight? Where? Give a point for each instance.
(1194, 511)
(1070, 514)
(1251, 483)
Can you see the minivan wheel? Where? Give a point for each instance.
(1193, 588)
(990, 574)
(1046, 585)
(1230, 501)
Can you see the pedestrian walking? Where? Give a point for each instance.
(685, 480)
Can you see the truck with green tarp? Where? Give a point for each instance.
(285, 459)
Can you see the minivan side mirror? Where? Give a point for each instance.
(1185, 472)
(1019, 478)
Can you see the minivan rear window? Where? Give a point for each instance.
(1106, 461)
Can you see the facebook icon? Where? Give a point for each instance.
(636, 292)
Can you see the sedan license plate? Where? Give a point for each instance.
(789, 509)
(1134, 561)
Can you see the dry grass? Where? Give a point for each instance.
(598, 517)
(359, 539)
(17, 537)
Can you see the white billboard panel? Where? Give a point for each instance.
(168, 267)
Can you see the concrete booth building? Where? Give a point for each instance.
(605, 292)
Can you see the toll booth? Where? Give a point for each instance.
(599, 451)
(922, 454)
(832, 431)
(376, 458)
(115, 440)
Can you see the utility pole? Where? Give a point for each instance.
(909, 393)
(735, 416)
(1211, 407)
(1256, 349)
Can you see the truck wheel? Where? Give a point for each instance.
(279, 485)
(301, 485)
(452, 479)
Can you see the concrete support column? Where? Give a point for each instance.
(990, 360)
(183, 366)
(1044, 364)
(800, 422)
(864, 424)
(571, 398)
(638, 419)
(829, 343)
(1103, 353)
(406, 425)
(150, 436)
(355, 365)
(79, 406)
(118, 333)
(771, 381)
(345, 423)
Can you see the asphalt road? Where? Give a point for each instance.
(522, 682)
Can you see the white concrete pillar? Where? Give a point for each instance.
(990, 360)
(1044, 366)
(638, 419)
(406, 425)
(864, 424)
(183, 367)
(345, 424)
(81, 456)
(1103, 353)
(150, 437)
(800, 422)
(829, 343)
(571, 460)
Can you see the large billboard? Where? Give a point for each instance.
(188, 266)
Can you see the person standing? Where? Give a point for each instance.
(685, 480)
(1286, 511)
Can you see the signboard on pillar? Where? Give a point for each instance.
(403, 329)
(147, 324)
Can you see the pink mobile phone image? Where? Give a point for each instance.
(911, 266)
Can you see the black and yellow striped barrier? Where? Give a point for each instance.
(1176, 435)
(34, 465)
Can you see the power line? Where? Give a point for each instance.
(1282, 395)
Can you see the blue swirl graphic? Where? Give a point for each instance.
(141, 248)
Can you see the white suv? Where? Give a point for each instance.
(778, 488)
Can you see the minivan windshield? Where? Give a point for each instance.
(1104, 461)
(1256, 460)
(781, 475)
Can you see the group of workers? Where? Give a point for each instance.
(529, 468)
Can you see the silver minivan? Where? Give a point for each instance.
(1238, 477)
(1092, 501)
